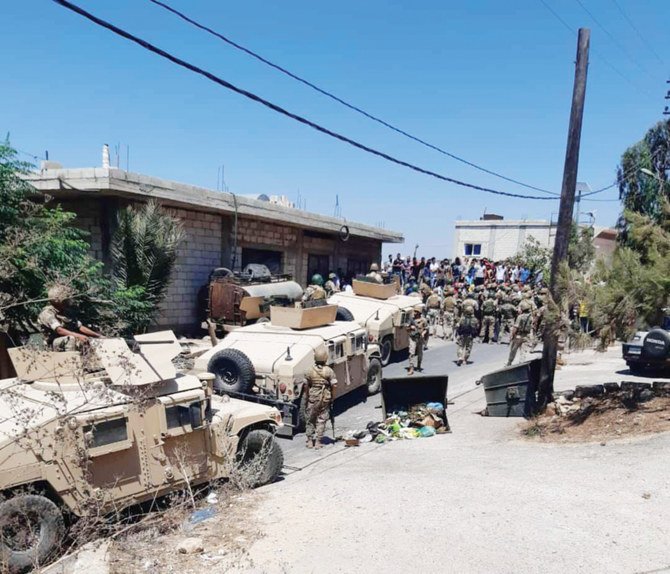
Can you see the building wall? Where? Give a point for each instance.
(499, 242)
(209, 242)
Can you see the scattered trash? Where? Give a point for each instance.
(212, 498)
(201, 515)
(427, 431)
(351, 442)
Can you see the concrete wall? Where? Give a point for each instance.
(209, 243)
(500, 240)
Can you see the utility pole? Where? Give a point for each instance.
(549, 351)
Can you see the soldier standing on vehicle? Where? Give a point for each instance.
(417, 332)
(331, 287)
(433, 305)
(448, 313)
(467, 329)
(62, 330)
(488, 319)
(520, 332)
(315, 290)
(320, 380)
(374, 274)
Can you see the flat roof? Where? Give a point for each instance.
(503, 223)
(99, 181)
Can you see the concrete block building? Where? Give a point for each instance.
(222, 230)
(497, 239)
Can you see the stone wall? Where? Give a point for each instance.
(209, 243)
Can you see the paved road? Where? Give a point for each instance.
(354, 413)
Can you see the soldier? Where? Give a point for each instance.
(61, 329)
(488, 319)
(417, 332)
(315, 290)
(320, 380)
(520, 332)
(433, 304)
(467, 329)
(507, 315)
(374, 274)
(448, 313)
(331, 287)
(425, 291)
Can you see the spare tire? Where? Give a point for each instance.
(233, 371)
(343, 314)
(32, 530)
(657, 344)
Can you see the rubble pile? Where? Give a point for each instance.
(420, 421)
(595, 412)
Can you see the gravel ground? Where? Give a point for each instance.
(477, 500)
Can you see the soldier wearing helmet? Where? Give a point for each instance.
(448, 313)
(521, 331)
(374, 274)
(417, 329)
(315, 290)
(62, 330)
(319, 382)
(433, 304)
(466, 331)
(330, 286)
(508, 314)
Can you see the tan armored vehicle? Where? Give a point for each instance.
(381, 311)
(269, 360)
(75, 443)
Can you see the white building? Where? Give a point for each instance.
(497, 239)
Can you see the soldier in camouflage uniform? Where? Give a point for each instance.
(61, 329)
(488, 319)
(319, 380)
(417, 332)
(467, 329)
(330, 287)
(507, 312)
(433, 304)
(425, 291)
(314, 291)
(448, 313)
(521, 332)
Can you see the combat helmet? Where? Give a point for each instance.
(524, 306)
(317, 279)
(321, 355)
(59, 294)
(468, 310)
(374, 267)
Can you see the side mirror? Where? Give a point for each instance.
(195, 415)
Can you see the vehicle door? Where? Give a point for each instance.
(401, 321)
(337, 360)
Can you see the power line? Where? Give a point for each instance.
(637, 31)
(274, 107)
(597, 52)
(633, 168)
(340, 100)
(613, 38)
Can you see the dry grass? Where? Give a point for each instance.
(604, 419)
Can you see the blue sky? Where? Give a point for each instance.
(488, 80)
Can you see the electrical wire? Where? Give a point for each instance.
(598, 53)
(614, 39)
(274, 107)
(637, 31)
(332, 96)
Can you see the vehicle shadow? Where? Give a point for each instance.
(648, 373)
(355, 397)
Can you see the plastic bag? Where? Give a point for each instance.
(427, 431)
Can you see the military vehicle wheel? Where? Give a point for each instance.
(386, 348)
(301, 423)
(343, 314)
(31, 529)
(233, 371)
(635, 368)
(261, 457)
(374, 376)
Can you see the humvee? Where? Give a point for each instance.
(379, 309)
(268, 361)
(75, 442)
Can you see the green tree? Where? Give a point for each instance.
(643, 173)
(581, 250)
(38, 246)
(144, 250)
(534, 256)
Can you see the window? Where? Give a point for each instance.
(473, 249)
(106, 432)
(335, 350)
(271, 259)
(177, 416)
